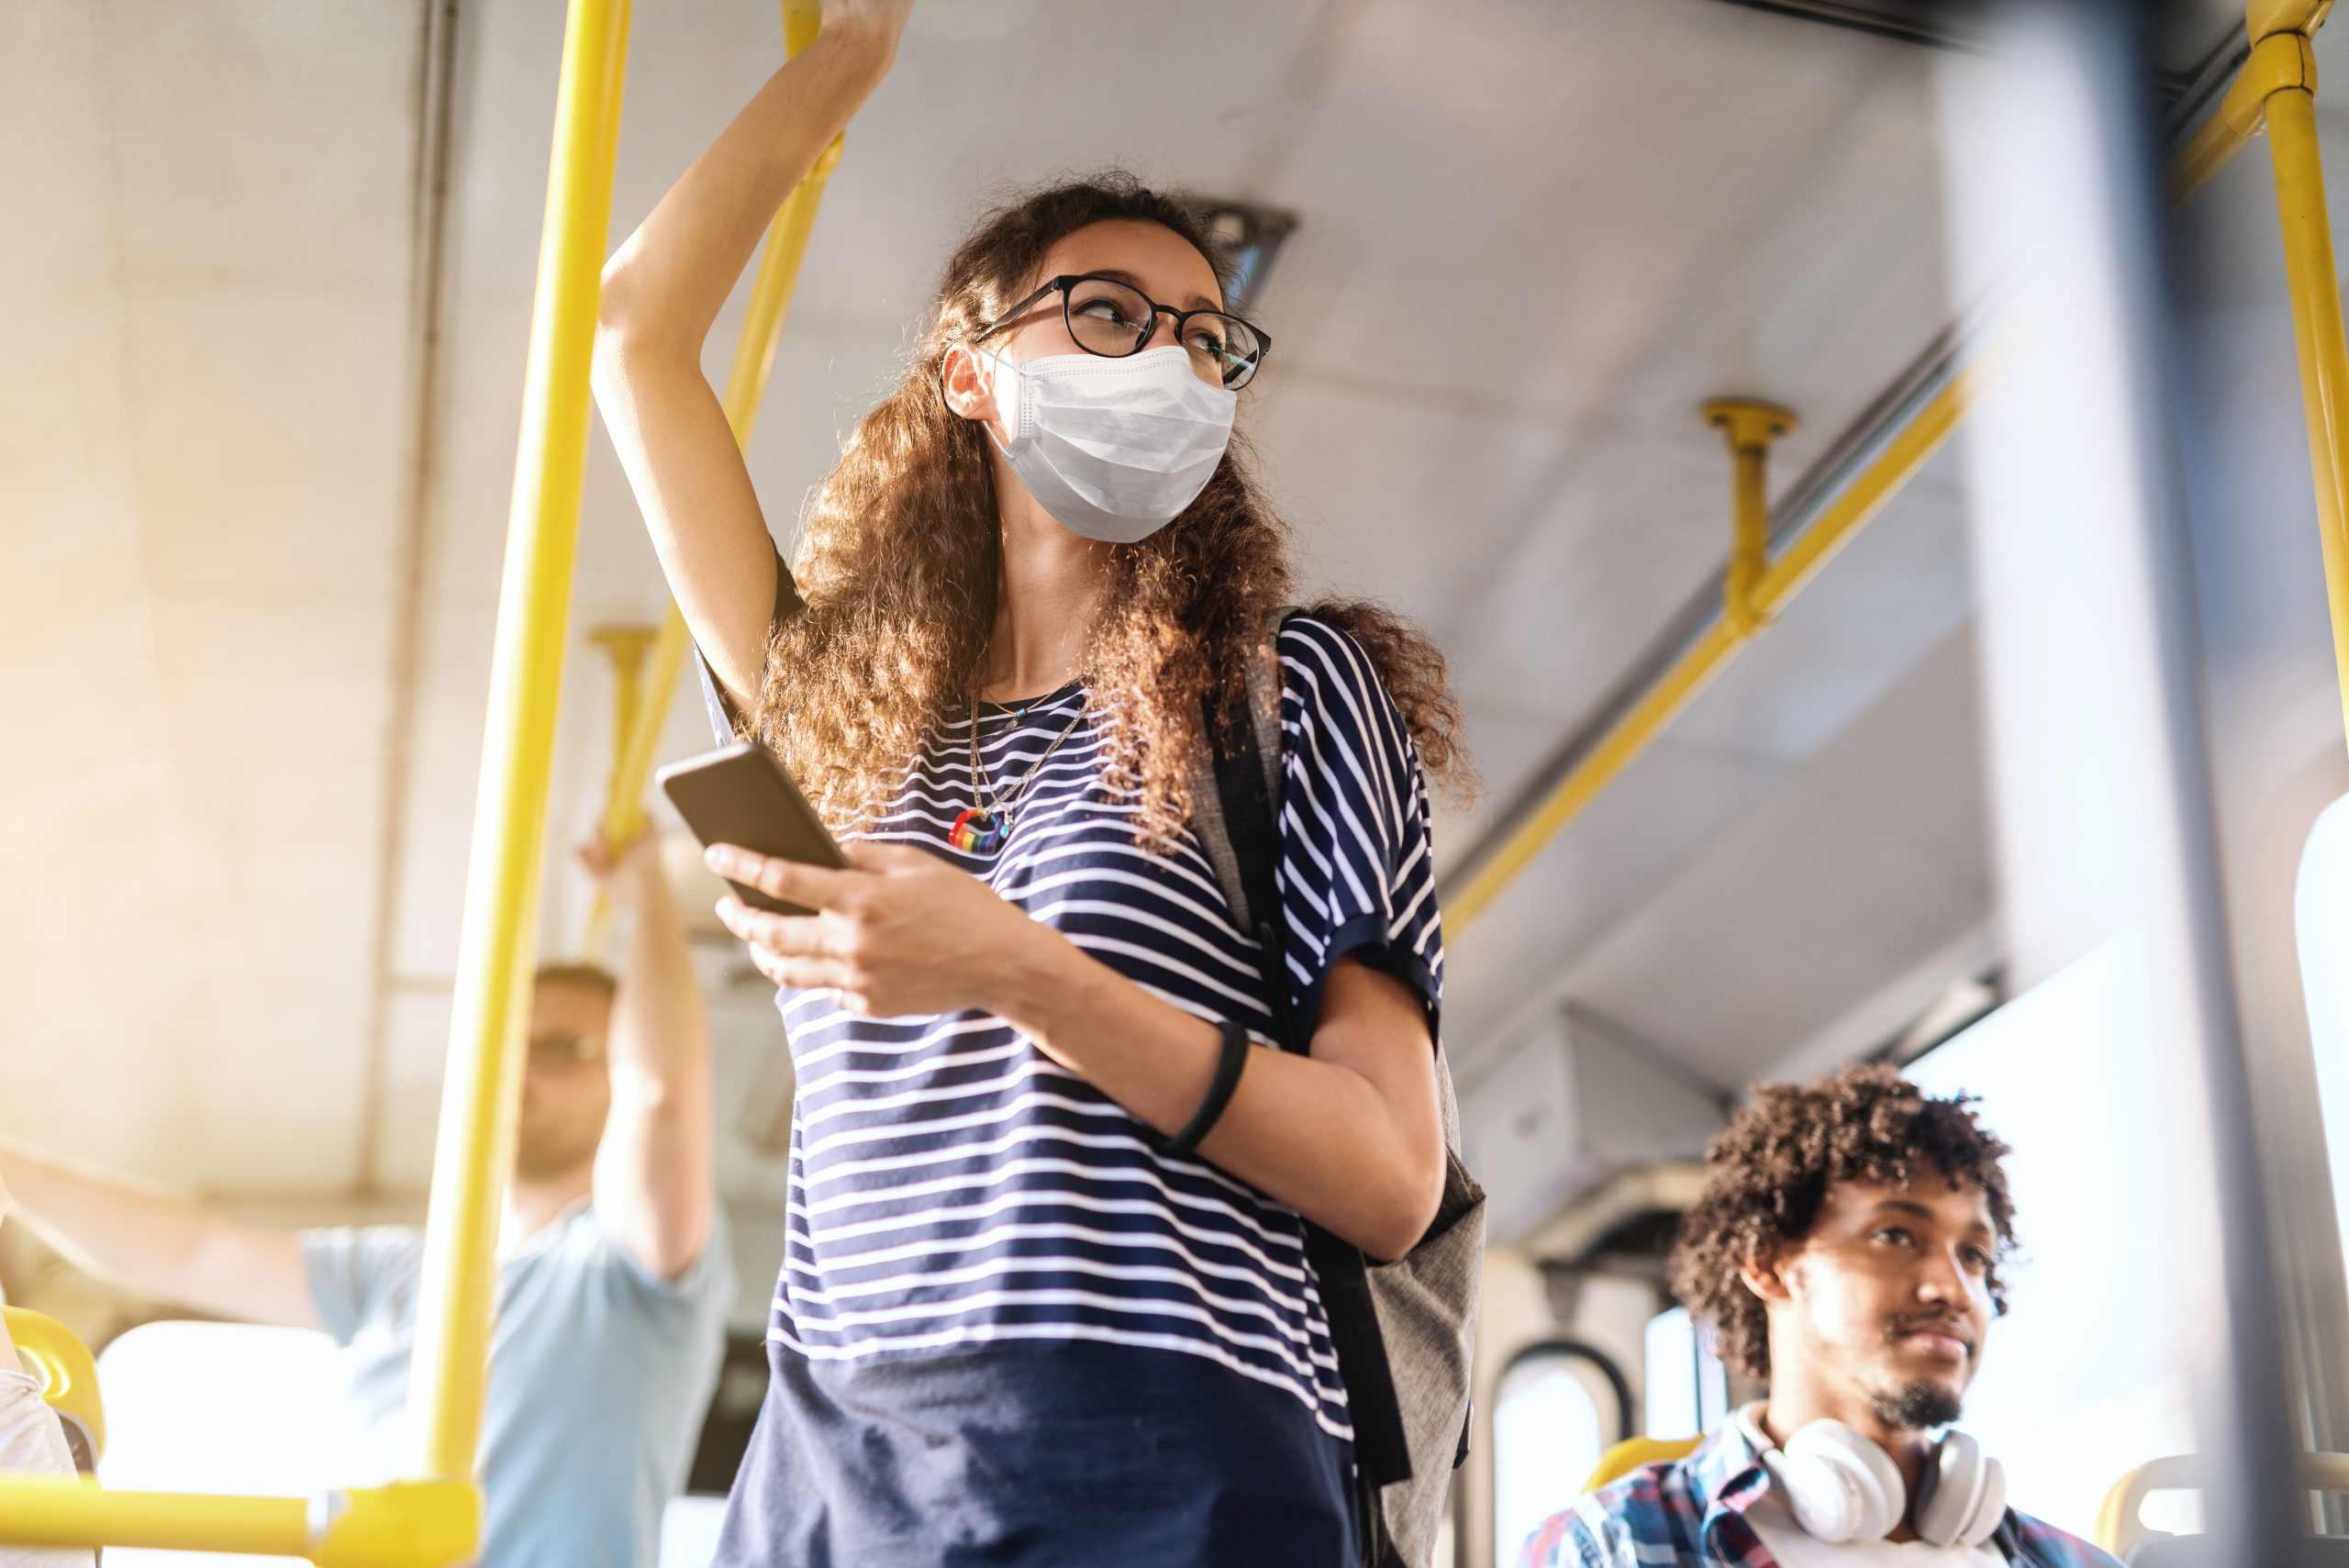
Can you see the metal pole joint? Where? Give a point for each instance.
(2280, 63)
(2268, 19)
(407, 1524)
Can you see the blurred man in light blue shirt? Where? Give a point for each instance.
(613, 1277)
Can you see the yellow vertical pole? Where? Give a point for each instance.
(626, 646)
(497, 945)
(746, 384)
(2283, 65)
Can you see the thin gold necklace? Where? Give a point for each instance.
(984, 829)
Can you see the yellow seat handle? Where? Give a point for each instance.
(68, 1373)
(2118, 1529)
(1636, 1453)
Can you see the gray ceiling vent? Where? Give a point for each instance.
(1568, 1108)
(1252, 237)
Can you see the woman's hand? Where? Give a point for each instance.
(621, 875)
(903, 932)
(877, 24)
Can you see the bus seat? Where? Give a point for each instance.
(1634, 1453)
(69, 1380)
(2119, 1531)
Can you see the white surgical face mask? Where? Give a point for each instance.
(1113, 449)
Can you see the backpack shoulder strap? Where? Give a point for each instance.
(1236, 791)
(1236, 814)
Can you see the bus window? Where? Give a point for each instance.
(219, 1407)
(2321, 919)
(1685, 1388)
(1558, 1408)
(2060, 1074)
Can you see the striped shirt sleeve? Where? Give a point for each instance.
(724, 722)
(1357, 876)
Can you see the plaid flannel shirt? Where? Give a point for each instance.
(1691, 1514)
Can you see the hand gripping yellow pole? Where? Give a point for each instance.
(2282, 73)
(498, 942)
(746, 384)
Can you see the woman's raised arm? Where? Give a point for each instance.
(661, 292)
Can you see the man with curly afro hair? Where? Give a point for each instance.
(1846, 1251)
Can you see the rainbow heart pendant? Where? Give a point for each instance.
(975, 833)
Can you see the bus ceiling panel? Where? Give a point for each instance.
(1630, 909)
(985, 95)
(1882, 604)
(1696, 241)
(210, 276)
(1670, 803)
(1872, 858)
(262, 142)
(2182, 46)
(1885, 604)
(1928, 23)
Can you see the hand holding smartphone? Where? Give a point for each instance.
(741, 794)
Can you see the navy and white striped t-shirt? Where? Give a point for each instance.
(950, 1186)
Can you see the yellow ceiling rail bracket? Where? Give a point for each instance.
(497, 946)
(1749, 428)
(2282, 70)
(408, 1524)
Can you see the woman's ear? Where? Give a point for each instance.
(969, 384)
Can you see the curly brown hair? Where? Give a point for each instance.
(899, 561)
(1769, 1173)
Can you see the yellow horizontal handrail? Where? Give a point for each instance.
(2240, 117)
(81, 1513)
(433, 1524)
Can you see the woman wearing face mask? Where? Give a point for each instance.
(1041, 1300)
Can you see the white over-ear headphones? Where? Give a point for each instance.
(1842, 1487)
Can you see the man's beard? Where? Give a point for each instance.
(1917, 1408)
(540, 1156)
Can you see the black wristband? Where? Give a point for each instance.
(1228, 1068)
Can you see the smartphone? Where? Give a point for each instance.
(741, 794)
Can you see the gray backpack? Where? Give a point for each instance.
(1405, 1331)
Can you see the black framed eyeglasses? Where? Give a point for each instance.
(1114, 320)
